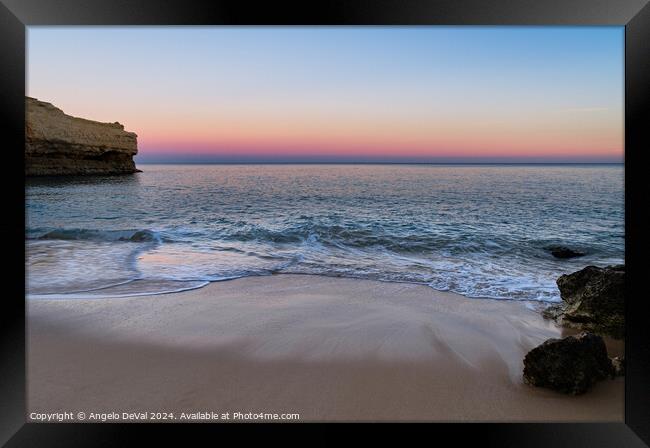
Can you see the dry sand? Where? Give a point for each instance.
(329, 349)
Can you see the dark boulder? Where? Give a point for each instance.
(564, 252)
(141, 236)
(592, 300)
(570, 365)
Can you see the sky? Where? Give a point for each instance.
(342, 94)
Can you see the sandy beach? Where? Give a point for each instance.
(329, 349)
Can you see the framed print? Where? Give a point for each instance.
(341, 212)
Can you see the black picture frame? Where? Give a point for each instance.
(15, 15)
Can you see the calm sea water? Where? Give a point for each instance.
(479, 230)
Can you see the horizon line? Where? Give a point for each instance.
(262, 162)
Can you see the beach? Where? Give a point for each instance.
(326, 348)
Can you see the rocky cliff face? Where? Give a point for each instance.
(57, 144)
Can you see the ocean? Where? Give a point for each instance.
(479, 230)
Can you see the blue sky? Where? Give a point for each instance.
(341, 93)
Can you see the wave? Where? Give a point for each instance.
(459, 259)
(408, 239)
(134, 236)
(350, 236)
(132, 288)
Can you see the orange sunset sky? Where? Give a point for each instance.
(426, 94)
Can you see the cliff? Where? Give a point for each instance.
(57, 144)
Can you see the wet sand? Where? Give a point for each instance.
(329, 349)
